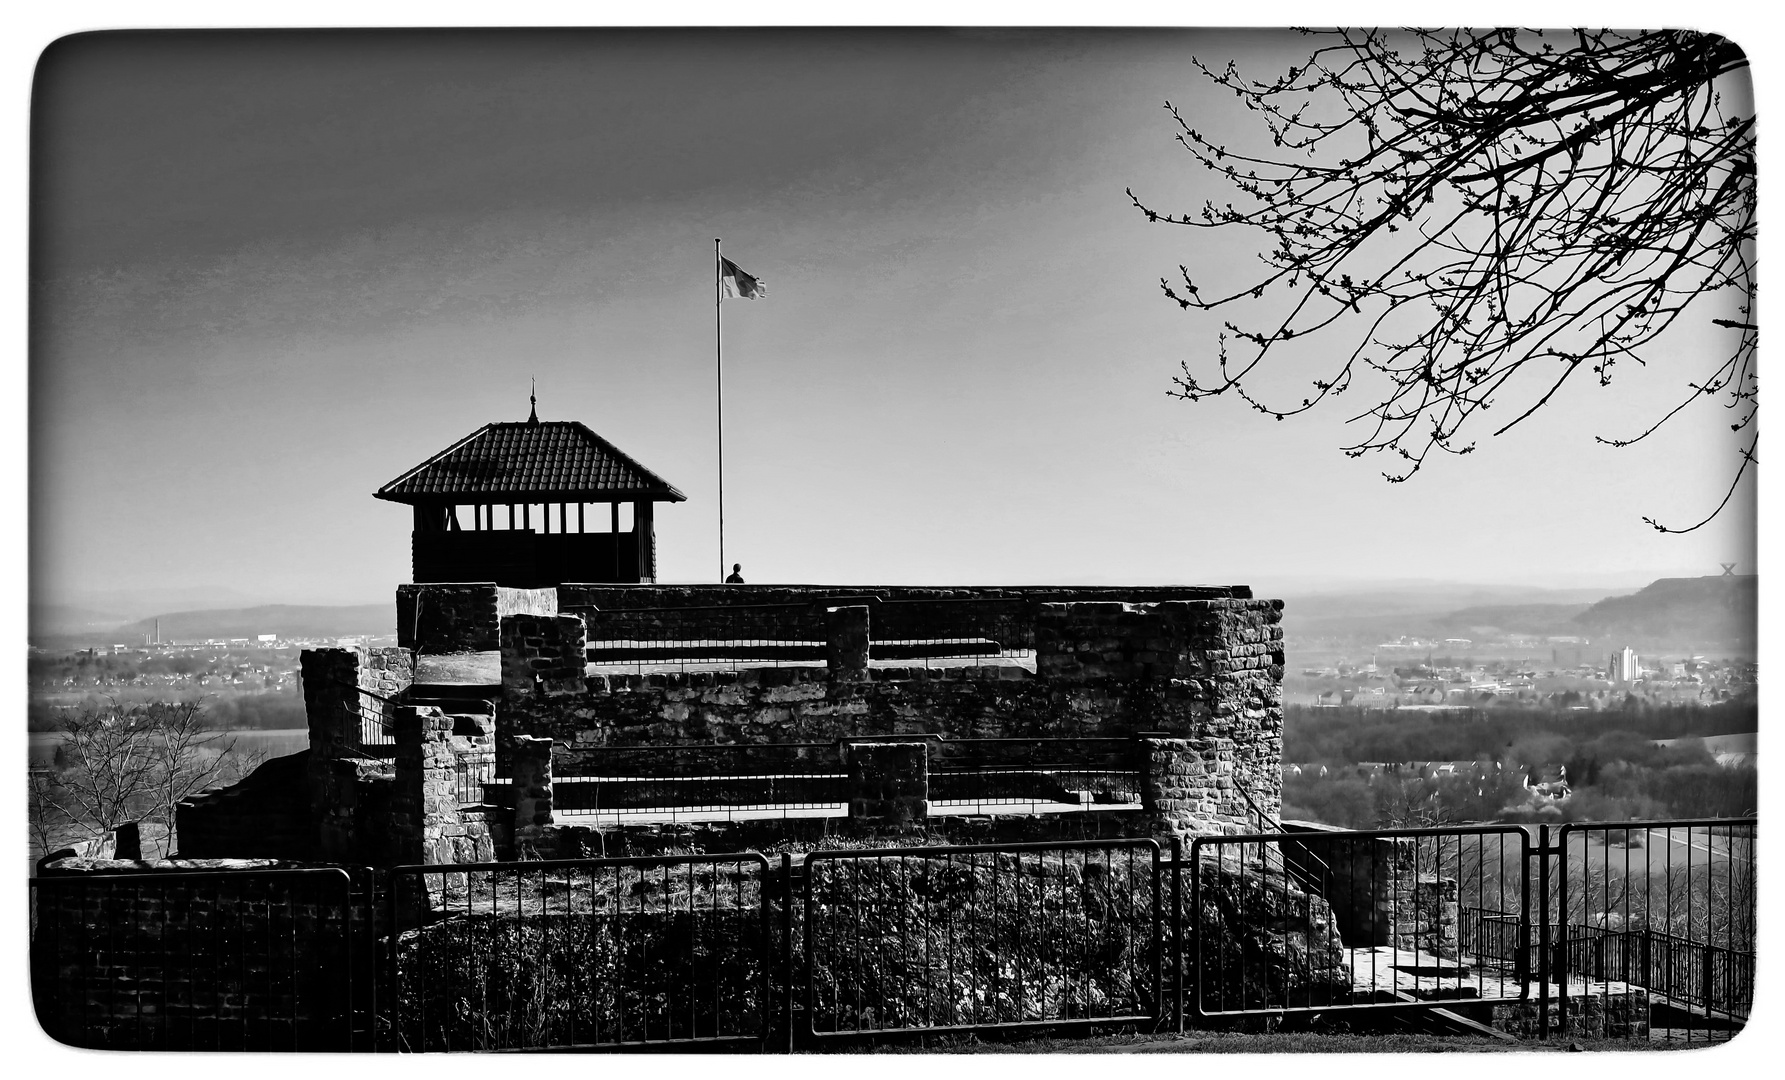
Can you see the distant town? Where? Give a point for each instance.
(1575, 676)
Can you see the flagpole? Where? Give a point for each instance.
(719, 366)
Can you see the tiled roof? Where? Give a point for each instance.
(555, 460)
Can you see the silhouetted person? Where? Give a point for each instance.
(736, 577)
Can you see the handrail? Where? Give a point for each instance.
(1320, 867)
(1256, 809)
(359, 709)
(332, 681)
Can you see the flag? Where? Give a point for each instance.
(738, 283)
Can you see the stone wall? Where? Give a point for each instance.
(1190, 788)
(434, 618)
(889, 781)
(331, 703)
(386, 672)
(1620, 1015)
(264, 816)
(577, 598)
(543, 654)
(1216, 668)
(1206, 673)
(1385, 890)
(426, 824)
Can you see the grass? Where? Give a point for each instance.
(1280, 1042)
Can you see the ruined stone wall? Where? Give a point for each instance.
(543, 654)
(426, 823)
(437, 618)
(386, 672)
(329, 677)
(265, 816)
(1205, 672)
(576, 599)
(1385, 890)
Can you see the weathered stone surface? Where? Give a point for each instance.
(446, 618)
(1385, 890)
(889, 781)
(532, 775)
(847, 634)
(543, 655)
(1262, 940)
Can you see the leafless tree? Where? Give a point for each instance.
(130, 763)
(49, 827)
(1480, 216)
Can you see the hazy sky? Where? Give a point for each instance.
(272, 272)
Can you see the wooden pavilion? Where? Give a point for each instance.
(520, 504)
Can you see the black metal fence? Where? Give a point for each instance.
(926, 632)
(473, 774)
(1101, 773)
(701, 779)
(1669, 906)
(955, 939)
(1489, 924)
(1373, 918)
(227, 960)
(725, 636)
(579, 953)
(373, 713)
(936, 631)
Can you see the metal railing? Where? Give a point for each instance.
(1092, 772)
(717, 637)
(700, 779)
(934, 632)
(1666, 905)
(871, 943)
(564, 954)
(1300, 863)
(471, 773)
(206, 960)
(940, 940)
(1375, 929)
(372, 711)
(926, 632)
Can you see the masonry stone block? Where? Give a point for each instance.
(448, 618)
(531, 771)
(889, 781)
(847, 637)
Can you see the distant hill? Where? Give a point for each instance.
(286, 620)
(1704, 612)
(1716, 614)
(68, 619)
(1557, 619)
(1442, 610)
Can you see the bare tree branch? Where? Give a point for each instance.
(1491, 213)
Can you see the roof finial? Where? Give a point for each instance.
(533, 401)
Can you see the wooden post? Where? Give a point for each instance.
(644, 532)
(580, 527)
(614, 531)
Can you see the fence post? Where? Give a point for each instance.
(1177, 930)
(1543, 943)
(1710, 969)
(787, 950)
